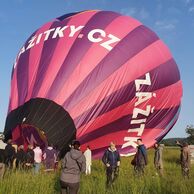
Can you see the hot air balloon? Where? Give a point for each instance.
(96, 76)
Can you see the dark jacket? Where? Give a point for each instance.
(49, 157)
(2, 156)
(30, 156)
(10, 152)
(141, 156)
(73, 164)
(111, 157)
(20, 157)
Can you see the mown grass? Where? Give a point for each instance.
(19, 182)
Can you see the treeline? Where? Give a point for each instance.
(189, 139)
(172, 141)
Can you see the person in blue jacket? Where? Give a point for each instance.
(140, 158)
(111, 160)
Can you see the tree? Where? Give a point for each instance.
(190, 131)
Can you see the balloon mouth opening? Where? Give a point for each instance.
(40, 121)
(25, 134)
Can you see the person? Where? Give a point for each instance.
(49, 156)
(140, 158)
(88, 156)
(73, 164)
(29, 157)
(10, 154)
(185, 158)
(158, 163)
(111, 160)
(37, 158)
(20, 157)
(2, 156)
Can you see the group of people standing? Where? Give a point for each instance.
(75, 162)
(13, 156)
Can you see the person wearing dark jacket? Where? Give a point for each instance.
(10, 154)
(73, 164)
(111, 160)
(49, 156)
(20, 157)
(29, 157)
(140, 158)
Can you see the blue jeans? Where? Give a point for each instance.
(36, 167)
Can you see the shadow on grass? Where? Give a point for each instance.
(56, 182)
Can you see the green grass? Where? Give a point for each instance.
(19, 182)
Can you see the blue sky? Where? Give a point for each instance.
(172, 20)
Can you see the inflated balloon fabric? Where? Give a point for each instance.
(100, 77)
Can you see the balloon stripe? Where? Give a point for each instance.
(22, 76)
(14, 92)
(92, 123)
(127, 92)
(88, 62)
(46, 57)
(120, 78)
(79, 48)
(141, 37)
(64, 44)
(34, 61)
(155, 120)
(61, 18)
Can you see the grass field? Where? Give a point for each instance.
(172, 183)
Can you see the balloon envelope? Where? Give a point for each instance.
(96, 76)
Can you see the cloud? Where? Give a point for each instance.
(191, 9)
(166, 25)
(174, 11)
(141, 13)
(129, 11)
(188, 1)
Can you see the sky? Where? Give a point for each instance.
(172, 20)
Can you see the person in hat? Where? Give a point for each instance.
(73, 164)
(2, 156)
(111, 160)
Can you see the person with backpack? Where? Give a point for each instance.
(140, 160)
(73, 164)
(111, 160)
(49, 156)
